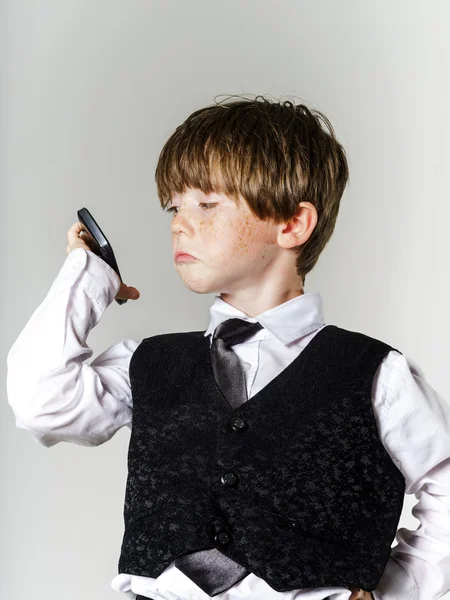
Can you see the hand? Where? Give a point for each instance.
(79, 237)
(359, 594)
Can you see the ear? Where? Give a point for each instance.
(298, 229)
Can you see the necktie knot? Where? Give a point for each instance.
(235, 331)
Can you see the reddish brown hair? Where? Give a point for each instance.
(272, 154)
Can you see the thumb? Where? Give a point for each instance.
(356, 594)
(127, 292)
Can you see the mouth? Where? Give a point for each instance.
(183, 256)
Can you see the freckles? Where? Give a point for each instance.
(240, 236)
(210, 229)
(261, 236)
(247, 235)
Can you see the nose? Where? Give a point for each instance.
(180, 222)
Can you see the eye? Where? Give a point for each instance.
(204, 205)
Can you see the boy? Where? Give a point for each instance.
(262, 463)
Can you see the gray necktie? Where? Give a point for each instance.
(211, 570)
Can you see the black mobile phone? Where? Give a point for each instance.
(101, 245)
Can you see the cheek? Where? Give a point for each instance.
(250, 238)
(244, 237)
(212, 231)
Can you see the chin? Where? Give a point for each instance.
(199, 287)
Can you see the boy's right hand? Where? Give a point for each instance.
(85, 241)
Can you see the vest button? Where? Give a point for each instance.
(222, 538)
(239, 424)
(229, 478)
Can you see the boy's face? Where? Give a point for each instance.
(233, 249)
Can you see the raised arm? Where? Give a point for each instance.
(53, 391)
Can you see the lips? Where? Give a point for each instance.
(180, 253)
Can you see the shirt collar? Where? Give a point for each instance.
(287, 322)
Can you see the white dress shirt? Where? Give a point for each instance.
(58, 396)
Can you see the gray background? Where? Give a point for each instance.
(90, 91)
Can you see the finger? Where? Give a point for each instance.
(359, 594)
(127, 292)
(356, 594)
(74, 232)
(79, 237)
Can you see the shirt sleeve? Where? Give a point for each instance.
(53, 391)
(414, 426)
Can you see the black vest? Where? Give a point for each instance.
(295, 484)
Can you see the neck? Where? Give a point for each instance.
(253, 306)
